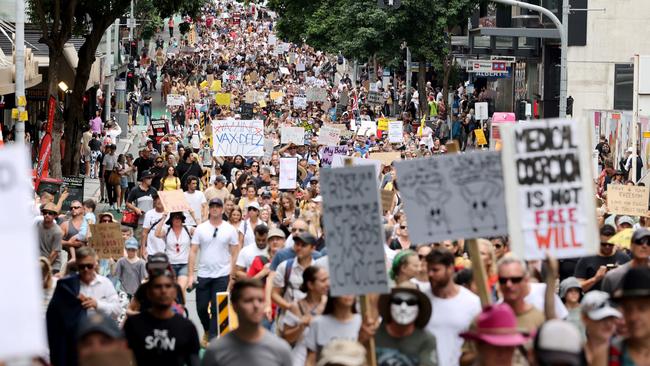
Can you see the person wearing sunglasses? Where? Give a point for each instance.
(640, 250)
(96, 292)
(49, 237)
(591, 270)
(513, 283)
(71, 228)
(402, 333)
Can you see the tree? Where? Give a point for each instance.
(89, 19)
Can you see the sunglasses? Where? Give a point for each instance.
(105, 221)
(48, 213)
(75, 207)
(255, 165)
(642, 241)
(214, 235)
(85, 266)
(403, 227)
(606, 245)
(498, 246)
(178, 248)
(398, 301)
(514, 280)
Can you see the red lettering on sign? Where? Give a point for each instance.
(561, 237)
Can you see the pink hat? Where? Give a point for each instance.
(497, 326)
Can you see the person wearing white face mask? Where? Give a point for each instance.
(402, 337)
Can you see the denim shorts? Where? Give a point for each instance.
(124, 183)
(180, 269)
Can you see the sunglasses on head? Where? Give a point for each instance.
(514, 280)
(84, 266)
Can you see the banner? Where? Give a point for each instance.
(294, 135)
(328, 152)
(51, 112)
(43, 159)
(627, 200)
(453, 196)
(238, 137)
(174, 201)
(329, 136)
(353, 224)
(395, 132)
(107, 240)
(549, 189)
(175, 100)
(288, 173)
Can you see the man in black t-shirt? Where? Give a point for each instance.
(143, 162)
(591, 270)
(158, 336)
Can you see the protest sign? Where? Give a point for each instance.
(223, 99)
(175, 100)
(268, 149)
(159, 127)
(352, 221)
(549, 191)
(174, 201)
(375, 98)
(216, 86)
(300, 67)
(284, 71)
(386, 199)
(382, 124)
(271, 40)
(288, 173)
(294, 135)
(395, 133)
(329, 136)
(481, 110)
(275, 95)
(367, 128)
(250, 97)
(339, 161)
(386, 158)
(480, 137)
(327, 152)
(238, 137)
(627, 200)
(21, 318)
(453, 196)
(107, 240)
(247, 110)
(316, 95)
(75, 187)
(300, 102)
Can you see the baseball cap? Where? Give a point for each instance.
(558, 343)
(626, 220)
(254, 205)
(98, 323)
(596, 306)
(158, 261)
(276, 233)
(305, 237)
(220, 178)
(216, 201)
(131, 243)
(266, 194)
(640, 234)
(147, 174)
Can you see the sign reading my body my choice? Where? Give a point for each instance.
(549, 191)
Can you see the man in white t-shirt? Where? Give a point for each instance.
(455, 306)
(150, 243)
(248, 253)
(248, 228)
(218, 242)
(197, 201)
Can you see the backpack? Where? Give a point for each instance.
(287, 275)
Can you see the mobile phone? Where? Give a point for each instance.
(611, 266)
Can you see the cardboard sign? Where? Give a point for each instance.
(329, 136)
(175, 100)
(300, 102)
(328, 152)
(386, 199)
(316, 95)
(174, 201)
(481, 110)
(238, 137)
(275, 95)
(453, 196)
(452, 147)
(292, 134)
(223, 99)
(480, 137)
(627, 200)
(395, 132)
(386, 158)
(549, 189)
(107, 240)
(288, 173)
(21, 318)
(352, 221)
(382, 124)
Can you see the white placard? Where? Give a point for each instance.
(367, 128)
(549, 189)
(481, 110)
(238, 137)
(21, 313)
(316, 94)
(395, 132)
(288, 173)
(300, 102)
(327, 153)
(271, 40)
(284, 70)
(300, 67)
(175, 100)
(268, 149)
(329, 136)
(292, 134)
(453, 196)
(353, 225)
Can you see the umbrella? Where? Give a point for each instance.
(622, 238)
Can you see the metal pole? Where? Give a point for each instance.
(563, 29)
(109, 73)
(20, 69)
(635, 118)
(408, 78)
(131, 22)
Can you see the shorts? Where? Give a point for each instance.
(124, 182)
(180, 269)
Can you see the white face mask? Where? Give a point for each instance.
(401, 310)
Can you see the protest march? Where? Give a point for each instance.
(281, 213)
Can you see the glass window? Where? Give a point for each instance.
(623, 86)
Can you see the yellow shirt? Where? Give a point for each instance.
(171, 184)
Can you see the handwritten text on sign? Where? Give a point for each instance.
(353, 225)
(238, 137)
(327, 152)
(549, 199)
(107, 240)
(174, 201)
(627, 200)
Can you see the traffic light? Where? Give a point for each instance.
(569, 106)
